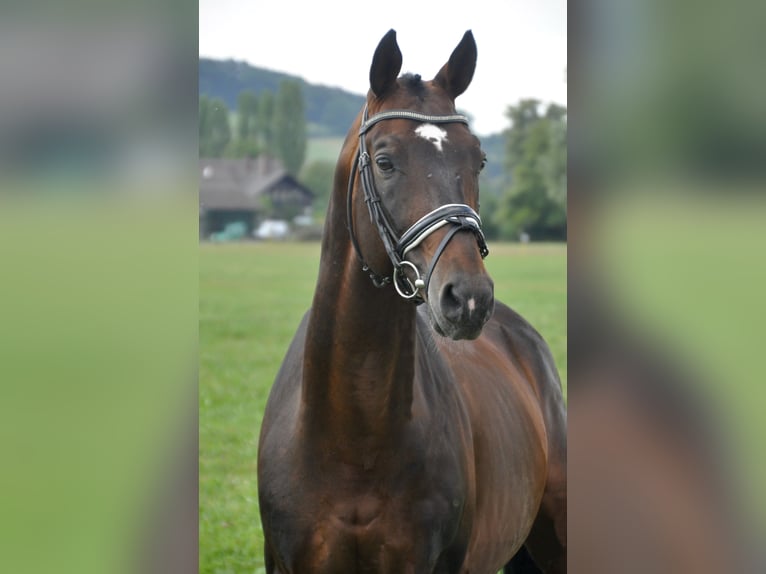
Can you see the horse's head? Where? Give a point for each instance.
(418, 171)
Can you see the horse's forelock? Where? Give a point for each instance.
(413, 84)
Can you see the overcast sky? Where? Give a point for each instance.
(521, 43)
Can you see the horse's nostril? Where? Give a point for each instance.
(451, 303)
(468, 303)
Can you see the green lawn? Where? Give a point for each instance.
(251, 298)
(323, 149)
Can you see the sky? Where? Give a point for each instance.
(522, 49)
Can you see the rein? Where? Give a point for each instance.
(458, 215)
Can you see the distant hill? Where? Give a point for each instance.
(329, 111)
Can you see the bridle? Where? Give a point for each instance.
(458, 215)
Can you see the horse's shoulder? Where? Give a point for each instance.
(513, 326)
(529, 349)
(527, 346)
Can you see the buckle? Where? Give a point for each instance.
(413, 288)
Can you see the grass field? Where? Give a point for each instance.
(323, 149)
(251, 298)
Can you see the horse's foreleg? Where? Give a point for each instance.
(547, 541)
(268, 560)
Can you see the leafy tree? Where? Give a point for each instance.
(241, 148)
(214, 128)
(247, 109)
(535, 202)
(522, 117)
(246, 142)
(264, 121)
(554, 163)
(290, 125)
(318, 177)
(488, 207)
(203, 117)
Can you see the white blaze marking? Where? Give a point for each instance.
(432, 133)
(471, 304)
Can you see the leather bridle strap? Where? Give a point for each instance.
(460, 216)
(408, 115)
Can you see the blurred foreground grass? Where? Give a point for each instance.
(97, 359)
(687, 273)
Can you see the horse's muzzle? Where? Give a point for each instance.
(463, 306)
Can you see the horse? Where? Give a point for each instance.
(416, 425)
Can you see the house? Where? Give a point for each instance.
(247, 191)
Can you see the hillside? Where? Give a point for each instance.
(329, 111)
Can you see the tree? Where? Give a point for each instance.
(554, 163)
(247, 109)
(264, 121)
(241, 149)
(290, 125)
(214, 129)
(522, 116)
(246, 142)
(535, 202)
(318, 177)
(203, 118)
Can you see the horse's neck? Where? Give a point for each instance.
(359, 352)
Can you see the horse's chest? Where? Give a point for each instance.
(374, 534)
(393, 523)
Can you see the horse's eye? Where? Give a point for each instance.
(483, 163)
(384, 163)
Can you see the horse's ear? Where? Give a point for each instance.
(457, 73)
(386, 64)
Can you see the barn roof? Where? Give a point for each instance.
(233, 184)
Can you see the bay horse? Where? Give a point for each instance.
(416, 425)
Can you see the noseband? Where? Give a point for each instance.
(457, 215)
